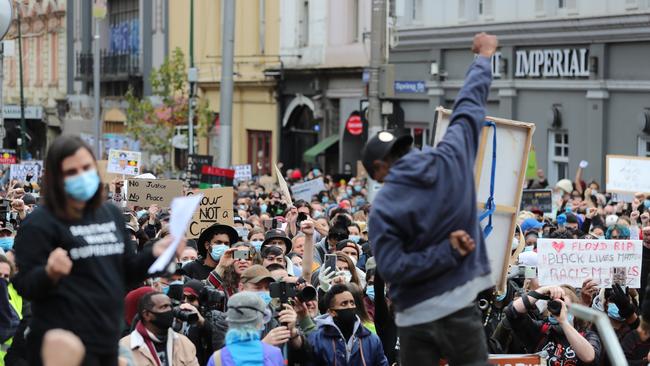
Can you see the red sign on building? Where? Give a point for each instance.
(354, 125)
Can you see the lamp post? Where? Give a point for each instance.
(22, 143)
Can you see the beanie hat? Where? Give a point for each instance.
(611, 220)
(245, 309)
(565, 185)
(131, 302)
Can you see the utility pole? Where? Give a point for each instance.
(23, 126)
(226, 88)
(96, 91)
(192, 78)
(3, 132)
(377, 60)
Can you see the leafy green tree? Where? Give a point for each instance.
(154, 124)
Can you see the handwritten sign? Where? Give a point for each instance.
(124, 162)
(537, 199)
(571, 261)
(22, 170)
(305, 191)
(215, 208)
(243, 172)
(194, 165)
(7, 156)
(627, 174)
(146, 192)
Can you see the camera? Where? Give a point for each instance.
(301, 217)
(283, 291)
(185, 315)
(307, 294)
(554, 307)
(210, 297)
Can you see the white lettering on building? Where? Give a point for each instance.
(552, 63)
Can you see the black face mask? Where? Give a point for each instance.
(345, 320)
(163, 320)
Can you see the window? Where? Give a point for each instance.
(416, 10)
(420, 136)
(303, 24)
(631, 4)
(558, 152)
(644, 146)
(354, 22)
(540, 8)
(486, 9)
(260, 151)
(561, 4)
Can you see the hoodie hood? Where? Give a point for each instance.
(414, 168)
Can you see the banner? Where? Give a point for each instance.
(284, 188)
(537, 199)
(194, 165)
(243, 172)
(124, 162)
(146, 192)
(212, 175)
(7, 156)
(627, 174)
(305, 191)
(215, 208)
(531, 165)
(571, 261)
(22, 170)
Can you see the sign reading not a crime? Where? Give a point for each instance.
(215, 208)
(147, 192)
(571, 261)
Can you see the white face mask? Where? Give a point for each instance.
(347, 275)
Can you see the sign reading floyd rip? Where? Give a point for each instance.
(146, 192)
(215, 208)
(571, 261)
(537, 199)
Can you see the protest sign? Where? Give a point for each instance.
(243, 172)
(124, 162)
(305, 191)
(571, 261)
(215, 208)
(537, 199)
(627, 174)
(284, 188)
(7, 156)
(105, 176)
(267, 182)
(212, 175)
(146, 192)
(22, 170)
(513, 142)
(194, 165)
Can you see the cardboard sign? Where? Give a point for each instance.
(22, 170)
(124, 162)
(305, 191)
(537, 199)
(7, 156)
(194, 165)
(627, 174)
(243, 172)
(146, 192)
(215, 208)
(284, 188)
(212, 175)
(571, 261)
(267, 182)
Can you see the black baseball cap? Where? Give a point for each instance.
(378, 147)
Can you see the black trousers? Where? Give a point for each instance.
(459, 338)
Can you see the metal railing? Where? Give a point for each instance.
(113, 65)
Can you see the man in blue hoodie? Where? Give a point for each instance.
(425, 233)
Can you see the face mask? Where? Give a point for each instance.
(553, 320)
(82, 187)
(257, 244)
(325, 199)
(612, 312)
(263, 207)
(529, 248)
(184, 263)
(354, 238)
(501, 297)
(345, 317)
(165, 289)
(361, 202)
(163, 320)
(349, 192)
(357, 188)
(217, 251)
(141, 213)
(243, 207)
(601, 237)
(317, 214)
(316, 172)
(370, 291)
(646, 203)
(265, 297)
(347, 275)
(6, 243)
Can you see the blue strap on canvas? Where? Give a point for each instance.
(490, 206)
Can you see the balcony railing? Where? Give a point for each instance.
(113, 66)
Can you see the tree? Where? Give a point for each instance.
(153, 121)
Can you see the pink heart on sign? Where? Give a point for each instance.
(558, 246)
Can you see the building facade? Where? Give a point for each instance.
(325, 47)
(254, 114)
(575, 68)
(43, 28)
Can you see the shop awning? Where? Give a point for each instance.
(310, 155)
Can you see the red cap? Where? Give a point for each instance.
(296, 174)
(131, 302)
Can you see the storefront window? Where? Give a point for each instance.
(558, 155)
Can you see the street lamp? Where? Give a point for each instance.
(23, 126)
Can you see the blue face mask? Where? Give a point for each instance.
(265, 297)
(325, 199)
(82, 187)
(349, 192)
(6, 243)
(141, 213)
(501, 297)
(264, 207)
(165, 289)
(357, 188)
(361, 202)
(612, 312)
(646, 203)
(316, 172)
(257, 244)
(354, 238)
(370, 291)
(217, 251)
(553, 320)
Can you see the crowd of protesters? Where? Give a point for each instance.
(300, 283)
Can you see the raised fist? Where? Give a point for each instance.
(485, 44)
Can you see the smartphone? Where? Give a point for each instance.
(330, 262)
(242, 255)
(530, 272)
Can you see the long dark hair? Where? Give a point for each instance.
(54, 196)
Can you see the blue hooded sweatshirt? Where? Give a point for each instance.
(426, 196)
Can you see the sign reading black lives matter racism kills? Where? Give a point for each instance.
(146, 192)
(215, 208)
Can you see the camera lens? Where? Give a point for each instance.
(554, 307)
(307, 294)
(185, 315)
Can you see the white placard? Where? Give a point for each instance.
(571, 261)
(243, 172)
(30, 167)
(628, 174)
(124, 162)
(305, 191)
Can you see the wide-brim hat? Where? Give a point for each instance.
(277, 234)
(208, 233)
